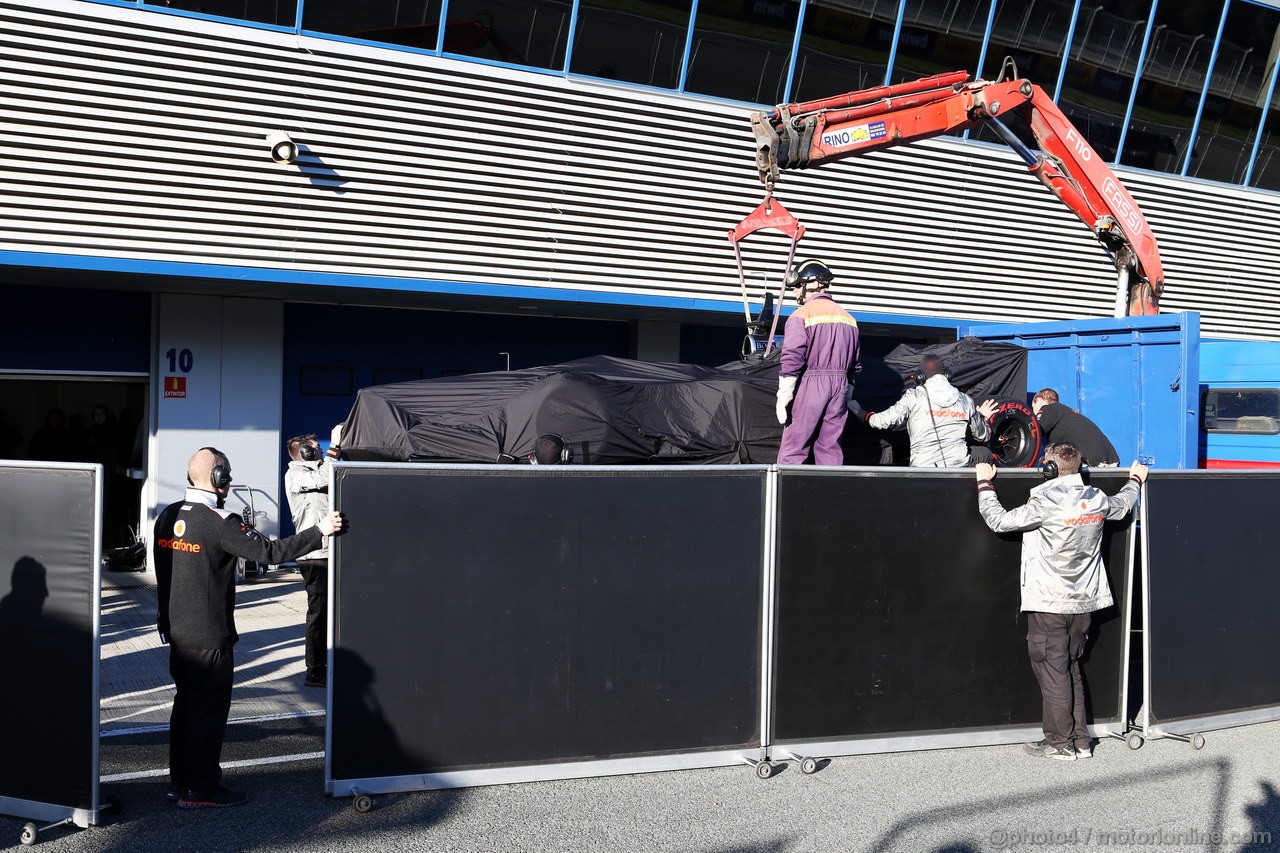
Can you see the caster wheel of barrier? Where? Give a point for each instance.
(1135, 741)
(809, 766)
(30, 832)
(1197, 741)
(363, 803)
(764, 770)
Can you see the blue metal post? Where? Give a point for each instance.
(795, 51)
(893, 46)
(1204, 93)
(1137, 78)
(1066, 51)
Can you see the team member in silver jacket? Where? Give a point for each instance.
(1063, 582)
(306, 484)
(938, 416)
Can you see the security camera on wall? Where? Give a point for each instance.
(283, 149)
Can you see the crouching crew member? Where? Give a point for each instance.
(1063, 583)
(1059, 423)
(819, 352)
(196, 545)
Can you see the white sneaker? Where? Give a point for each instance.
(1044, 750)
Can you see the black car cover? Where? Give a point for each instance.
(615, 411)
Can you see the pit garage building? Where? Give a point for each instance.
(475, 185)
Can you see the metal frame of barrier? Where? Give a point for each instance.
(989, 728)
(808, 750)
(1188, 727)
(426, 778)
(61, 814)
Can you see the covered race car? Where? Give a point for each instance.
(614, 411)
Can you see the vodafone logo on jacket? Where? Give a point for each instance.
(177, 543)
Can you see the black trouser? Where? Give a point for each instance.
(200, 707)
(1055, 642)
(315, 574)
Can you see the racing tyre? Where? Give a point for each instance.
(1015, 435)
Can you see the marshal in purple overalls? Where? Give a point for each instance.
(821, 347)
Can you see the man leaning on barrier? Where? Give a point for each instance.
(306, 484)
(1063, 582)
(196, 545)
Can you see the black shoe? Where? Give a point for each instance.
(218, 798)
(172, 795)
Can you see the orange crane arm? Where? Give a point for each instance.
(798, 136)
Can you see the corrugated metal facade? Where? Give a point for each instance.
(132, 135)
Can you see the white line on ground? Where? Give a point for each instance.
(265, 718)
(248, 762)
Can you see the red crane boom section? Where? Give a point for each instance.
(797, 136)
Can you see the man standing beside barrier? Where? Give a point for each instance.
(196, 544)
(1063, 583)
(306, 484)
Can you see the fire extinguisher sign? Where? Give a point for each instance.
(176, 386)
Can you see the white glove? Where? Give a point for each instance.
(853, 405)
(786, 392)
(335, 437)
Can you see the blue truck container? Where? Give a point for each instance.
(1239, 404)
(1159, 392)
(1135, 377)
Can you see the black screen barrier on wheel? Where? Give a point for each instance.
(492, 619)
(49, 640)
(1213, 652)
(897, 613)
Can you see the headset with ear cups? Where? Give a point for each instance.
(1049, 468)
(565, 455)
(307, 452)
(919, 376)
(220, 476)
